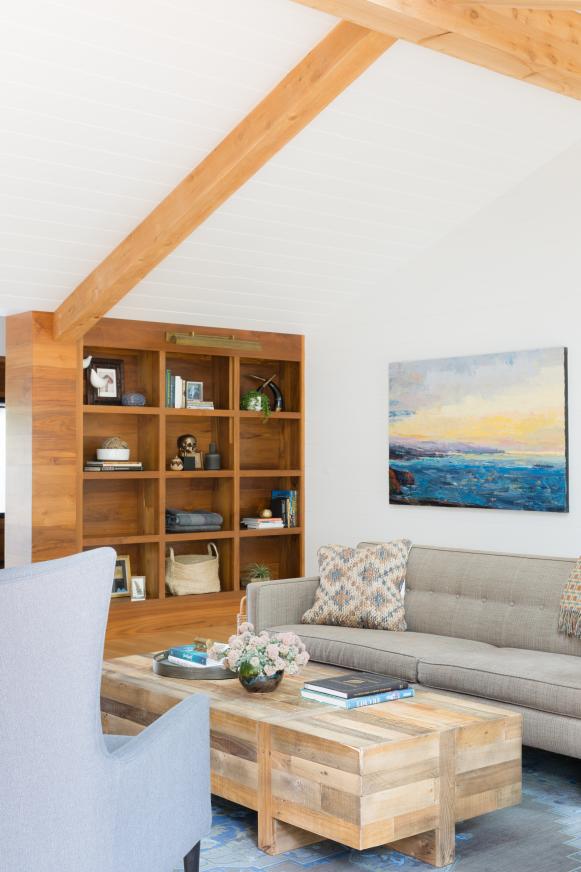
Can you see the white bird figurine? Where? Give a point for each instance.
(100, 381)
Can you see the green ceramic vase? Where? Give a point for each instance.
(254, 681)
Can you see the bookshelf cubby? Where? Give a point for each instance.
(126, 510)
(139, 430)
(280, 553)
(206, 428)
(272, 444)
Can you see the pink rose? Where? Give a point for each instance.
(269, 670)
(272, 651)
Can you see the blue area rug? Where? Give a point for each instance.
(543, 834)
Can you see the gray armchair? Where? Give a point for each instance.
(72, 799)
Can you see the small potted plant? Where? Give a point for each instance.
(262, 659)
(256, 572)
(256, 401)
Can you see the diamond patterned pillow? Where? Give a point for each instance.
(361, 587)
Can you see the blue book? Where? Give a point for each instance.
(358, 701)
(190, 653)
(284, 502)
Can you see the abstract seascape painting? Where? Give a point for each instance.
(487, 432)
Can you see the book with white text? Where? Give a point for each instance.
(358, 701)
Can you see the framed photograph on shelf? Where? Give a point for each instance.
(105, 382)
(193, 461)
(122, 576)
(138, 588)
(194, 393)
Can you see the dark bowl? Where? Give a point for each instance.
(261, 683)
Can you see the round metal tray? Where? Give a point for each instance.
(162, 666)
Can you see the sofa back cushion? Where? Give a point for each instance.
(507, 600)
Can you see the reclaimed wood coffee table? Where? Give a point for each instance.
(400, 773)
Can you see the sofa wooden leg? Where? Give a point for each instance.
(192, 860)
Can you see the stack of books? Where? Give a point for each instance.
(284, 505)
(183, 394)
(193, 656)
(356, 689)
(263, 523)
(113, 466)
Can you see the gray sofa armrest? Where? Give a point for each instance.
(276, 603)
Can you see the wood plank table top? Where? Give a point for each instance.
(399, 773)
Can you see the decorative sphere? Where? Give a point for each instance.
(266, 513)
(133, 398)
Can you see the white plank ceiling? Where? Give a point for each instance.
(105, 106)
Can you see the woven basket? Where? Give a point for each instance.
(193, 573)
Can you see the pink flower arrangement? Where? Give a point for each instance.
(266, 653)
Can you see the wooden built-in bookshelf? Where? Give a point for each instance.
(126, 510)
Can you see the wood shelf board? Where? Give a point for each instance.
(288, 416)
(100, 476)
(200, 473)
(199, 537)
(270, 473)
(194, 599)
(278, 531)
(105, 541)
(120, 410)
(199, 413)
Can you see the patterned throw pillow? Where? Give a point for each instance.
(361, 587)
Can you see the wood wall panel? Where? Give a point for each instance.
(43, 403)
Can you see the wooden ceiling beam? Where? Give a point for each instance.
(346, 52)
(534, 45)
(552, 5)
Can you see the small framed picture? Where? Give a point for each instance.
(194, 393)
(122, 576)
(193, 461)
(137, 587)
(105, 382)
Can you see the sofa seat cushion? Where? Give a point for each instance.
(384, 651)
(533, 679)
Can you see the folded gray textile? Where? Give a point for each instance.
(203, 528)
(188, 522)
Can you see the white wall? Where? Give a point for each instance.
(510, 279)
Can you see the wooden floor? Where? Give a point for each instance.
(138, 628)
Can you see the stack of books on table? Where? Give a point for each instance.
(356, 689)
(263, 523)
(193, 657)
(113, 466)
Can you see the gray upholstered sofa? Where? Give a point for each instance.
(481, 624)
